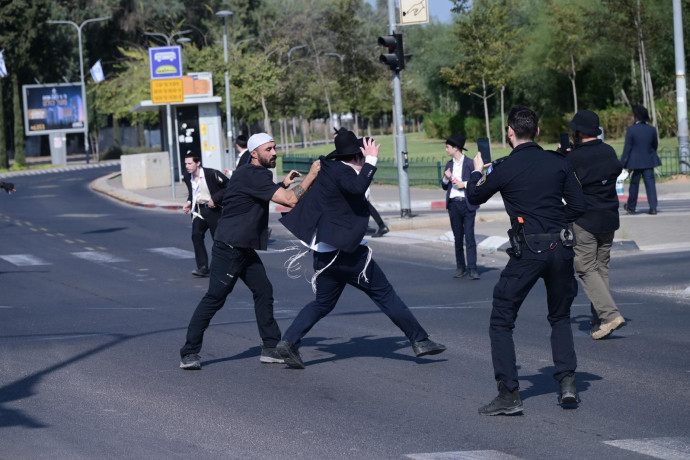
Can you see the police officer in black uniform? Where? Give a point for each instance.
(533, 184)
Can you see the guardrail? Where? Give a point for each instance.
(421, 171)
(428, 171)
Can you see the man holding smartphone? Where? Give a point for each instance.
(461, 212)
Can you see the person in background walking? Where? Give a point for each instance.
(597, 167)
(640, 157)
(205, 187)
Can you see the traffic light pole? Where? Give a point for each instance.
(400, 141)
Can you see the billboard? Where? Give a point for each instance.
(53, 108)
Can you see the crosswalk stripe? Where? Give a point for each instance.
(464, 455)
(665, 448)
(98, 256)
(24, 260)
(173, 253)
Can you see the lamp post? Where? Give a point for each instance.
(225, 14)
(168, 116)
(81, 73)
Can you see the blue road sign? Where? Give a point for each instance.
(165, 62)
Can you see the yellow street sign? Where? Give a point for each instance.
(167, 90)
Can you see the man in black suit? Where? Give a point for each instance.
(332, 220)
(639, 156)
(243, 156)
(205, 187)
(461, 212)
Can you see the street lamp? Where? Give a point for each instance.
(168, 38)
(81, 73)
(228, 109)
(225, 14)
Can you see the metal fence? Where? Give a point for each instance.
(421, 171)
(428, 171)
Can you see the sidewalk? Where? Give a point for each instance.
(669, 230)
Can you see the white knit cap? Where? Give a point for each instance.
(258, 140)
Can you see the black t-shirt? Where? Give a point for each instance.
(244, 222)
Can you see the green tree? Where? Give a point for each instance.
(487, 40)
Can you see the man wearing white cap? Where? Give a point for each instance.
(242, 229)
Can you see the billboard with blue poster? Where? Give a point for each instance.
(165, 62)
(53, 108)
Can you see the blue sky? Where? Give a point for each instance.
(440, 9)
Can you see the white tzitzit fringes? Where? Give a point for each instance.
(318, 272)
(363, 273)
(292, 264)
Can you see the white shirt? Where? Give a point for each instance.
(457, 174)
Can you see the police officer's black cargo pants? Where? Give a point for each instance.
(517, 279)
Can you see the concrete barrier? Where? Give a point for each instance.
(145, 170)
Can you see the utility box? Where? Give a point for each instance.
(145, 170)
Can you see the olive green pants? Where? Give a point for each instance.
(592, 259)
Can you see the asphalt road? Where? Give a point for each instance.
(96, 300)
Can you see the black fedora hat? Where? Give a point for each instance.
(457, 140)
(346, 145)
(586, 122)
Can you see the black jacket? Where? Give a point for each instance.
(597, 167)
(533, 183)
(216, 182)
(335, 207)
(639, 151)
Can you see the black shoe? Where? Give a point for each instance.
(191, 362)
(201, 272)
(460, 272)
(568, 391)
(290, 354)
(427, 347)
(652, 212)
(270, 356)
(380, 232)
(628, 210)
(474, 274)
(506, 403)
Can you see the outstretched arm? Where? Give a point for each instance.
(291, 197)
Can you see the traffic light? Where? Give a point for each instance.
(395, 58)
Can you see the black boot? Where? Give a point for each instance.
(506, 403)
(569, 391)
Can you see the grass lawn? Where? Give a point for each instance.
(419, 146)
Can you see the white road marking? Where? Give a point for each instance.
(83, 216)
(666, 448)
(99, 257)
(464, 455)
(23, 260)
(173, 253)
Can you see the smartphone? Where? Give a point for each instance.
(484, 149)
(564, 140)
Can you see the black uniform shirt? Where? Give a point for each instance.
(597, 168)
(244, 222)
(533, 183)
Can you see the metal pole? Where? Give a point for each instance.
(228, 109)
(681, 91)
(400, 140)
(83, 94)
(171, 155)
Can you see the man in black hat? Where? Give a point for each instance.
(640, 157)
(597, 167)
(332, 220)
(461, 212)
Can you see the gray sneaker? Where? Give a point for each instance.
(506, 403)
(270, 356)
(191, 362)
(291, 354)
